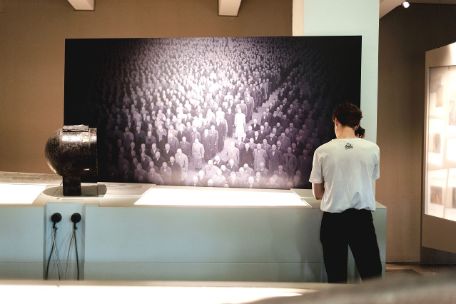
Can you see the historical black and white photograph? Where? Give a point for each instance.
(436, 143)
(438, 90)
(436, 195)
(437, 187)
(223, 112)
(451, 188)
(452, 113)
(453, 197)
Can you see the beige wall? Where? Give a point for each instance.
(405, 35)
(32, 34)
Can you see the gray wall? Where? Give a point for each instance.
(405, 35)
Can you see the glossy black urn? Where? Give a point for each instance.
(72, 153)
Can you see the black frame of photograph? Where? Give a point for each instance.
(224, 95)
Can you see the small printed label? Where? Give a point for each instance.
(348, 146)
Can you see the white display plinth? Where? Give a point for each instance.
(145, 232)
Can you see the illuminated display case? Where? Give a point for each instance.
(440, 174)
(439, 167)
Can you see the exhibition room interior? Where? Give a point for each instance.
(161, 149)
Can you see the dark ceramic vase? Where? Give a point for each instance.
(72, 153)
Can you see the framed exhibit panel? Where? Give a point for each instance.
(440, 142)
(237, 112)
(439, 176)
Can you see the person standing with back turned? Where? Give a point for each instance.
(343, 174)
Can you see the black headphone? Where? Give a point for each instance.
(55, 218)
(75, 218)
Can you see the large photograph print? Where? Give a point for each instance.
(222, 112)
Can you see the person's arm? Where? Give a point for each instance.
(316, 178)
(318, 190)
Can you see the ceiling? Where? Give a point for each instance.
(388, 5)
(435, 1)
(225, 7)
(231, 7)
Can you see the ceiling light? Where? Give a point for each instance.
(406, 4)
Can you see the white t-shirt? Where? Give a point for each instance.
(348, 168)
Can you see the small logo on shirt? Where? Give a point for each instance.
(348, 146)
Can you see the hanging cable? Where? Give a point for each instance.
(55, 218)
(76, 251)
(67, 264)
(76, 218)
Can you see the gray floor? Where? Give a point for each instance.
(416, 269)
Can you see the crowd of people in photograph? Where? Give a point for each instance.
(227, 112)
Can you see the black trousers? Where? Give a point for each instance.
(352, 228)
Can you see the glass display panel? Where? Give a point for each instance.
(440, 172)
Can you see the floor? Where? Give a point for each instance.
(394, 269)
(246, 292)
